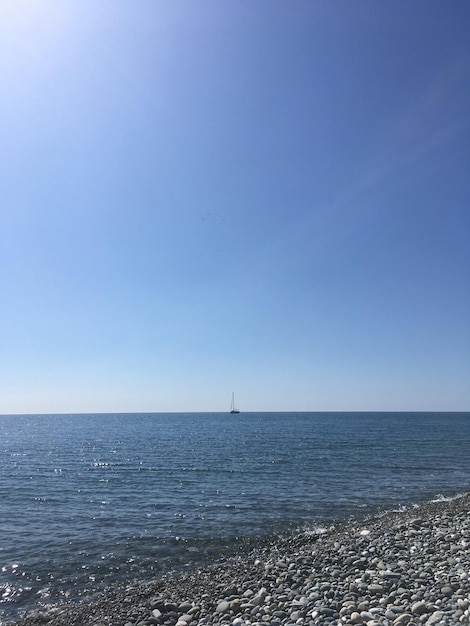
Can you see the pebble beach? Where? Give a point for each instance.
(408, 567)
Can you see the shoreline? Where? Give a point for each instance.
(395, 568)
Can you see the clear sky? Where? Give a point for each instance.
(270, 197)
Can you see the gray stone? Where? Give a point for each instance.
(236, 605)
(402, 619)
(222, 607)
(231, 590)
(435, 618)
(376, 610)
(366, 616)
(419, 608)
(416, 522)
(447, 591)
(326, 611)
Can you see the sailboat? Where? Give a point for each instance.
(232, 407)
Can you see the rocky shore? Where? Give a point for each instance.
(411, 567)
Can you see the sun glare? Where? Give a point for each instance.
(33, 36)
(25, 17)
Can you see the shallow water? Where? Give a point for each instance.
(92, 500)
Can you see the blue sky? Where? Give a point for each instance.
(265, 197)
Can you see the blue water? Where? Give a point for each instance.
(89, 501)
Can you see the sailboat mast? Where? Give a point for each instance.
(232, 407)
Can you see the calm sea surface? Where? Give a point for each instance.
(89, 501)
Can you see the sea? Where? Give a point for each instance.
(92, 502)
